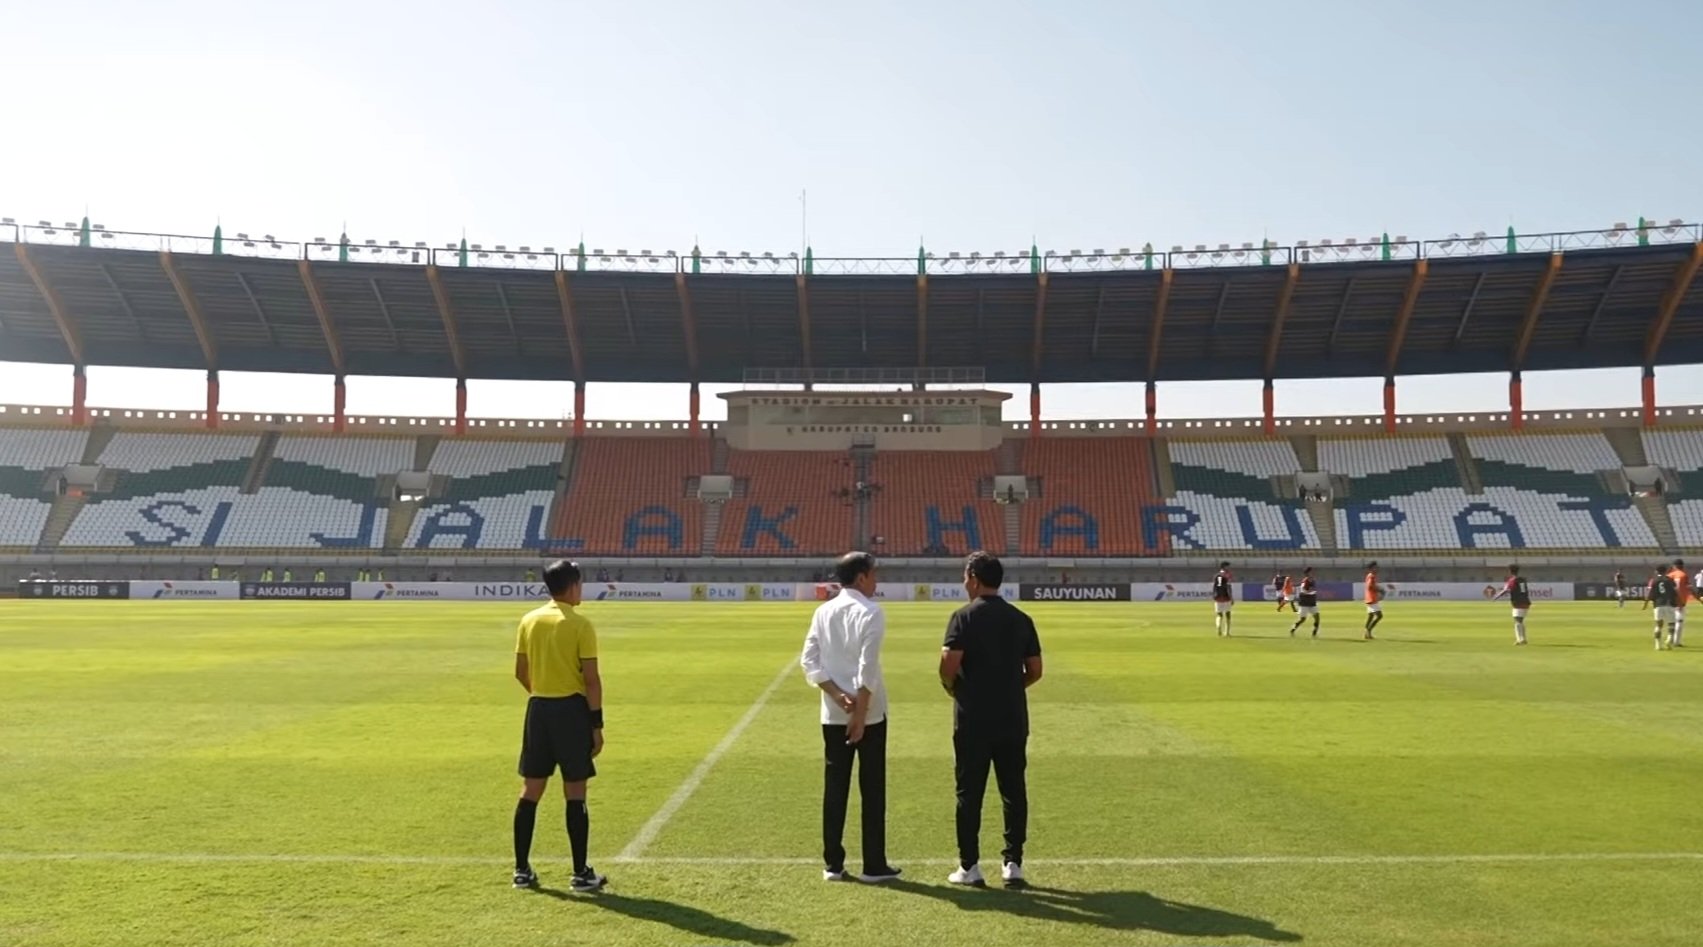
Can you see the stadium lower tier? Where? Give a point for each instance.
(613, 496)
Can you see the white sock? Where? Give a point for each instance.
(1218, 623)
(1519, 629)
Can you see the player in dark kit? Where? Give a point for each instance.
(1223, 598)
(1662, 594)
(1620, 588)
(1306, 602)
(1520, 596)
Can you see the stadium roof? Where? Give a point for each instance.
(1619, 297)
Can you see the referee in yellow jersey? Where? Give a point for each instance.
(555, 659)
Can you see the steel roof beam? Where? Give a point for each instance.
(1341, 310)
(1466, 314)
(192, 308)
(124, 302)
(1682, 278)
(688, 325)
(1602, 303)
(804, 319)
(327, 327)
(1157, 331)
(1404, 315)
(384, 311)
(1040, 323)
(570, 323)
(922, 320)
(259, 311)
(68, 329)
(1534, 310)
(446, 312)
(508, 316)
(1094, 339)
(1274, 338)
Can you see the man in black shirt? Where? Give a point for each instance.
(991, 656)
(1519, 593)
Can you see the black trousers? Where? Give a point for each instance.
(871, 756)
(1008, 754)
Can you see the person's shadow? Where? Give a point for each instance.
(1111, 910)
(685, 918)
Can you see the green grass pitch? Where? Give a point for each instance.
(307, 773)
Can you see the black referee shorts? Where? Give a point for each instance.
(557, 733)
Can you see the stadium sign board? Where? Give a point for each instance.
(297, 591)
(1074, 592)
(187, 590)
(74, 589)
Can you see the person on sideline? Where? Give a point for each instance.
(990, 658)
(842, 658)
(555, 659)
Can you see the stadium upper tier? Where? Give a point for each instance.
(1090, 490)
(1380, 306)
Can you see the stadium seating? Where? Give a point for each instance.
(628, 496)
(1682, 452)
(796, 503)
(172, 490)
(25, 458)
(1225, 499)
(1540, 492)
(920, 501)
(497, 489)
(1093, 492)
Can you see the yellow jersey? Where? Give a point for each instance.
(555, 639)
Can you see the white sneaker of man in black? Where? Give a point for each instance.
(970, 877)
(1012, 875)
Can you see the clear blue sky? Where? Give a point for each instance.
(972, 126)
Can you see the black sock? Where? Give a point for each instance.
(525, 814)
(579, 831)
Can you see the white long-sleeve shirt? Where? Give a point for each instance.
(844, 646)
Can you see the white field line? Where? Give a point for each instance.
(649, 831)
(1162, 861)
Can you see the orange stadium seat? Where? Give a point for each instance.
(921, 501)
(1092, 491)
(628, 496)
(796, 503)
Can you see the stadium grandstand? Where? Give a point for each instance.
(865, 418)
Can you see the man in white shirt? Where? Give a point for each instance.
(842, 657)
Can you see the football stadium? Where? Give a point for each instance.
(305, 726)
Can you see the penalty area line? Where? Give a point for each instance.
(1159, 861)
(653, 827)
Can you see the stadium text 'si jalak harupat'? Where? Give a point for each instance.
(864, 422)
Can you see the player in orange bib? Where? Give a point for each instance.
(1374, 599)
(1287, 595)
(1682, 579)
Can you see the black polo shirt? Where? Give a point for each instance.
(996, 638)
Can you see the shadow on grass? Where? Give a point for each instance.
(697, 922)
(1110, 910)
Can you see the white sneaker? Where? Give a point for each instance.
(969, 877)
(1012, 875)
(829, 874)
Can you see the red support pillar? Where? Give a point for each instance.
(1389, 404)
(1269, 401)
(211, 421)
(1516, 404)
(339, 405)
(579, 408)
(1034, 409)
(1152, 409)
(1649, 396)
(693, 407)
(461, 406)
(79, 396)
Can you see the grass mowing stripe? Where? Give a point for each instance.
(735, 861)
(648, 832)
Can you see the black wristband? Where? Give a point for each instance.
(597, 719)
